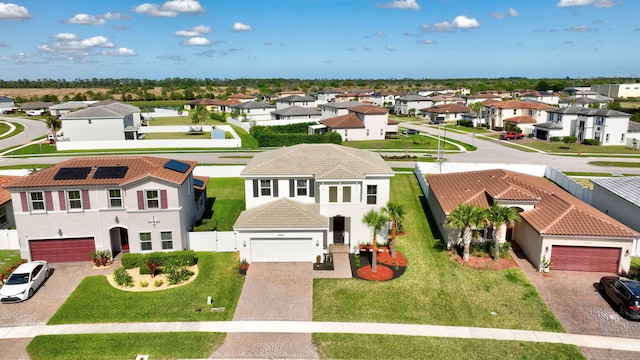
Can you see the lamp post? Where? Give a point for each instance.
(438, 155)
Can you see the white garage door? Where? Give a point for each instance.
(282, 250)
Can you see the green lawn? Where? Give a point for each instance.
(433, 290)
(404, 142)
(96, 301)
(124, 346)
(560, 147)
(177, 135)
(227, 195)
(9, 257)
(180, 120)
(331, 346)
(458, 128)
(248, 141)
(616, 164)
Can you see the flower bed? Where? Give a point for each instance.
(139, 279)
(388, 268)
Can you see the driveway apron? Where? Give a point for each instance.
(273, 291)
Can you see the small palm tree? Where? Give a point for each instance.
(498, 216)
(376, 221)
(55, 125)
(477, 108)
(465, 217)
(395, 212)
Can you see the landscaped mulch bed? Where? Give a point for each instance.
(485, 262)
(388, 268)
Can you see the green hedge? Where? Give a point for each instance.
(186, 257)
(292, 134)
(591, 142)
(555, 138)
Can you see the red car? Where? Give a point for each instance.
(511, 135)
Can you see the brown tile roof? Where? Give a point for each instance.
(489, 102)
(349, 121)
(523, 119)
(519, 104)
(283, 213)
(555, 212)
(369, 110)
(203, 101)
(392, 122)
(138, 167)
(5, 195)
(240, 96)
(226, 102)
(447, 108)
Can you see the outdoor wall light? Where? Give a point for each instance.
(244, 243)
(317, 242)
(59, 232)
(626, 253)
(546, 250)
(117, 220)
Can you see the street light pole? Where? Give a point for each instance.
(438, 155)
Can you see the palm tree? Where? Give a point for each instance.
(55, 125)
(466, 217)
(499, 216)
(395, 212)
(477, 108)
(376, 221)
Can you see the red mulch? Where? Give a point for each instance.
(385, 258)
(485, 263)
(382, 273)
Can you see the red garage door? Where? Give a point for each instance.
(62, 250)
(583, 258)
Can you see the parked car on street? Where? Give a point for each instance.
(24, 281)
(35, 112)
(410, 131)
(511, 135)
(624, 294)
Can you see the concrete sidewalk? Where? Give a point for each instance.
(309, 327)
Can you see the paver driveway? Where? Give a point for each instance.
(273, 291)
(41, 307)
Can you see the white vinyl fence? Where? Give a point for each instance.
(9, 240)
(571, 186)
(218, 241)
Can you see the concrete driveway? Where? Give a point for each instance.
(64, 278)
(273, 291)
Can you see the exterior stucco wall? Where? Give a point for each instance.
(98, 129)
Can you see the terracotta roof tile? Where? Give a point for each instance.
(447, 108)
(5, 195)
(522, 119)
(519, 104)
(349, 121)
(369, 110)
(138, 167)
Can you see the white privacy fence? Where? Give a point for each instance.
(9, 240)
(571, 186)
(218, 241)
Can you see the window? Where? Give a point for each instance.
(265, 187)
(74, 200)
(530, 112)
(333, 194)
(37, 201)
(3, 216)
(167, 240)
(346, 194)
(115, 198)
(153, 199)
(145, 241)
(301, 187)
(372, 194)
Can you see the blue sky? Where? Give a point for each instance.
(313, 39)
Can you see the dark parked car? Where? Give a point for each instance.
(410, 131)
(625, 295)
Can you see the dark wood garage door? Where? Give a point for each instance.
(62, 250)
(583, 258)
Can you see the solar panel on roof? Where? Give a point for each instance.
(197, 182)
(176, 165)
(110, 172)
(77, 173)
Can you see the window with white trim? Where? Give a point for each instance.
(265, 187)
(3, 216)
(115, 198)
(302, 187)
(372, 194)
(333, 194)
(74, 199)
(145, 241)
(152, 198)
(167, 240)
(36, 199)
(346, 194)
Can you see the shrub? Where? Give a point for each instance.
(569, 139)
(143, 283)
(122, 277)
(287, 135)
(555, 138)
(591, 142)
(158, 282)
(466, 123)
(177, 272)
(153, 267)
(130, 261)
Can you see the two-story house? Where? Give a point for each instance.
(113, 121)
(447, 112)
(136, 204)
(523, 114)
(6, 104)
(295, 100)
(590, 99)
(7, 220)
(410, 104)
(303, 198)
(363, 122)
(253, 110)
(334, 109)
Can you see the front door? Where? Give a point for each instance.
(338, 230)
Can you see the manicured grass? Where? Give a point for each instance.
(404, 142)
(356, 346)
(434, 289)
(9, 257)
(593, 174)
(41, 148)
(96, 301)
(229, 203)
(458, 128)
(4, 127)
(248, 141)
(124, 346)
(560, 147)
(177, 135)
(180, 120)
(616, 164)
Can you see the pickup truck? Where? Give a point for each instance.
(511, 135)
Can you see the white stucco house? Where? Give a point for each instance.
(121, 204)
(253, 110)
(554, 224)
(546, 97)
(446, 112)
(334, 109)
(69, 106)
(383, 99)
(297, 113)
(363, 122)
(411, 104)
(524, 114)
(6, 103)
(626, 90)
(114, 121)
(295, 100)
(304, 198)
(588, 99)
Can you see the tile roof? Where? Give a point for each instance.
(627, 188)
(633, 126)
(113, 110)
(519, 104)
(282, 214)
(202, 101)
(555, 212)
(5, 195)
(522, 119)
(578, 110)
(296, 98)
(369, 110)
(298, 111)
(69, 105)
(348, 121)
(323, 161)
(254, 105)
(341, 105)
(138, 167)
(548, 125)
(240, 96)
(447, 108)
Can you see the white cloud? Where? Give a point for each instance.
(580, 28)
(427, 42)
(169, 8)
(116, 16)
(402, 4)
(463, 22)
(13, 12)
(596, 3)
(380, 34)
(240, 27)
(196, 41)
(66, 36)
(86, 19)
(425, 28)
(196, 31)
(513, 12)
(390, 48)
(119, 52)
(510, 13)
(367, 48)
(72, 47)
